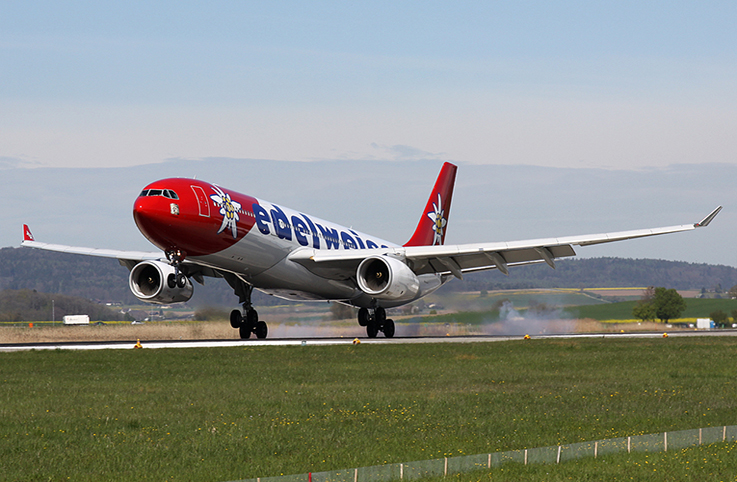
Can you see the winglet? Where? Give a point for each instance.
(705, 222)
(27, 235)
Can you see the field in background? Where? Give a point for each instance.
(225, 414)
(507, 312)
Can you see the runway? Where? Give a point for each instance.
(154, 344)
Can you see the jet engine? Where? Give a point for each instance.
(157, 282)
(387, 278)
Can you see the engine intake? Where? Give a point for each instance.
(387, 278)
(156, 282)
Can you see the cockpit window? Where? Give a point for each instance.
(168, 193)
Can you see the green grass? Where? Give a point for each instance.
(695, 308)
(225, 414)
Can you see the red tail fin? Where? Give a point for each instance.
(27, 236)
(431, 228)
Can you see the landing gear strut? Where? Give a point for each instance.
(246, 322)
(375, 321)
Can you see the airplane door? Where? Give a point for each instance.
(202, 201)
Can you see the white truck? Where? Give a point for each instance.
(705, 324)
(76, 320)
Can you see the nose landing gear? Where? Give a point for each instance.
(375, 321)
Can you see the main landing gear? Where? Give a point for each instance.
(375, 321)
(246, 322)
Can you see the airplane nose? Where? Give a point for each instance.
(153, 218)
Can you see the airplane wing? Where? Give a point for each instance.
(30, 242)
(126, 258)
(464, 258)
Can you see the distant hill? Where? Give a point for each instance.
(99, 279)
(29, 305)
(104, 279)
(604, 273)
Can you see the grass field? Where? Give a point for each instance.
(695, 308)
(225, 414)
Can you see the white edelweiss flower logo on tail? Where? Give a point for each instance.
(229, 209)
(438, 221)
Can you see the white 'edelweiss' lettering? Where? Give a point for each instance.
(301, 228)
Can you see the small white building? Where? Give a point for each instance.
(76, 320)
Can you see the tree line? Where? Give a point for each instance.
(106, 280)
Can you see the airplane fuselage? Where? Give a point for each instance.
(253, 238)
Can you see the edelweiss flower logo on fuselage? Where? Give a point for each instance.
(438, 221)
(229, 209)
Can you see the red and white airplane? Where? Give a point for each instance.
(206, 230)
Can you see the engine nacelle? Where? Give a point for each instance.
(156, 282)
(387, 278)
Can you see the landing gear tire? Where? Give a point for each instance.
(261, 330)
(363, 317)
(372, 329)
(379, 316)
(244, 331)
(236, 319)
(176, 281)
(252, 318)
(389, 328)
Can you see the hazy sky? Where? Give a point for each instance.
(567, 84)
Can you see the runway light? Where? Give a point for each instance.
(527, 337)
(665, 335)
(356, 341)
(138, 344)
